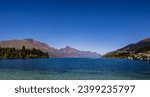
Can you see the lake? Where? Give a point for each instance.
(74, 69)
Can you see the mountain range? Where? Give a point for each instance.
(53, 52)
(139, 50)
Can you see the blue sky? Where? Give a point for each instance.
(94, 25)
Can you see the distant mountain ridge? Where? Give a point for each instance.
(139, 50)
(53, 52)
(72, 52)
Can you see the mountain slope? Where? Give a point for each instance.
(71, 52)
(31, 43)
(139, 50)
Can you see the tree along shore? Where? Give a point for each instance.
(12, 53)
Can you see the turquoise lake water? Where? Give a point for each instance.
(74, 69)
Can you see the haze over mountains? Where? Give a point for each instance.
(53, 52)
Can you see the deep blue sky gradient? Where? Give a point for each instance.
(95, 25)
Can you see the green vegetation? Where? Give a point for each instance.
(144, 55)
(12, 53)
